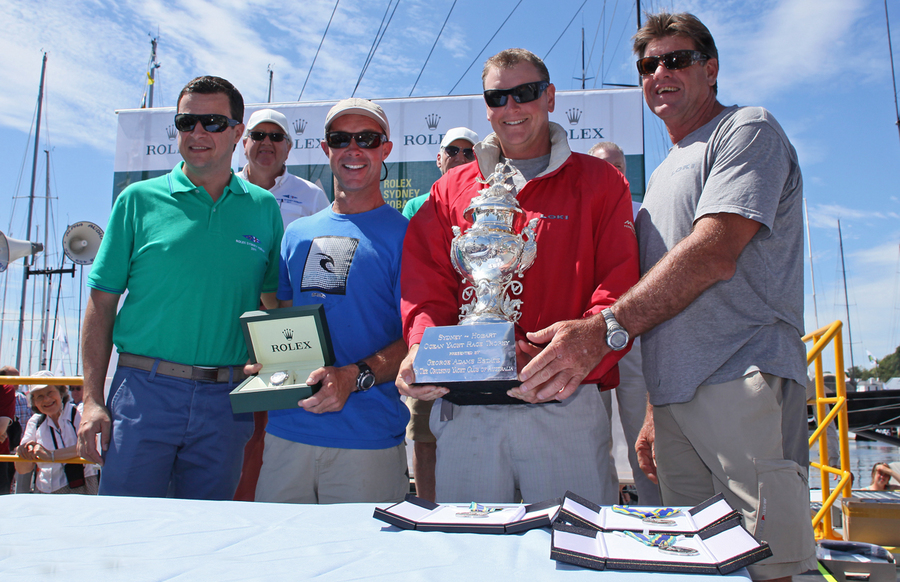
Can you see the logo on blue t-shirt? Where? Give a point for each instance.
(328, 264)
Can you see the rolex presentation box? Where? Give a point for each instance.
(289, 343)
(718, 550)
(421, 515)
(580, 512)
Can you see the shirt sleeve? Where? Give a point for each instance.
(747, 172)
(109, 272)
(271, 278)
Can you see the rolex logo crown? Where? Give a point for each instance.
(171, 132)
(573, 115)
(288, 334)
(432, 120)
(299, 126)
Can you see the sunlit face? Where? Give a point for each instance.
(356, 169)
(206, 152)
(48, 400)
(676, 97)
(445, 162)
(523, 128)
(266, 155)
(614, 157)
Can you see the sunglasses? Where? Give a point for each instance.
(468, 153)
(261, 135)
(367, 140)
(525, 93)
(672, 61)
(211, 122)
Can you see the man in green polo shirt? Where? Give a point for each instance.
(194, 249)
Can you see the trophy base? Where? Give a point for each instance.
(477, 362)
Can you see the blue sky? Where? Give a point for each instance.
(821, 66)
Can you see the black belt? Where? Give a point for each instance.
(221, 375)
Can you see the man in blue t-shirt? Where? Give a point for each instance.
(345, 443)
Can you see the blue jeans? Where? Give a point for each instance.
(172, 437)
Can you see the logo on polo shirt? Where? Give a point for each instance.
(251, 238)
(328, 264)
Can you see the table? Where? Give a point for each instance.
(75, 537)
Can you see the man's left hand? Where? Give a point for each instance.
(337, 384)
(575, 348)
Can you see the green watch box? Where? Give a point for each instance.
(289, 343)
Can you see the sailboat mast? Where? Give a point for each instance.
(37, 137)
(812, 275)
(271, 78)
(893, 77)
(46, 293)
(846, 299)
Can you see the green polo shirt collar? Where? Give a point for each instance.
(179, 183)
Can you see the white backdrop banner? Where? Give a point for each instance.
(146, 143)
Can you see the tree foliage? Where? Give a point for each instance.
(887, 368)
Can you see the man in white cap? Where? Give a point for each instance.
(345, 444)
(456, 150)
(267, 144)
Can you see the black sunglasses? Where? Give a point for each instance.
(468, 153)
(525, 93)
(211, 122)
(261, 135)
(367, 140)
(673, 61)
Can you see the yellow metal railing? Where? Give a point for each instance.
(821, 337)
(50, 381)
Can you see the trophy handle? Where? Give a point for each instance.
(529, 248)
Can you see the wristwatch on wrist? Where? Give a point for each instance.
(616, 336)
(366, 378)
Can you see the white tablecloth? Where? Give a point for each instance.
(92, 539)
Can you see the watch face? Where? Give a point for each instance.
(366, 381)
(617, 340)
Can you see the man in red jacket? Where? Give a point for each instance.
(586, 258)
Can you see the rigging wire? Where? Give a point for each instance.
(432, 49)
(324, 34)
(478, 56)
(893, 77)
(594, 42)
(565, 29)
(374, 48)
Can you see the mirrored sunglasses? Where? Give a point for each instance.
(673, 61)
(261, 135)
(468, 153)
(367, 140)
(211, 122)
(525, 93)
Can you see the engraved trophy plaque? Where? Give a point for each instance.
(479, 354)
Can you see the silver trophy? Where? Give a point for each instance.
(490, 253)
(479, 355)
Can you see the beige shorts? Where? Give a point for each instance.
(417, 430)
(297, 473)
(746, 439)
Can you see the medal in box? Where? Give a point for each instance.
(289, 343)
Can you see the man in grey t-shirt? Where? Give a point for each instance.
(720, 305)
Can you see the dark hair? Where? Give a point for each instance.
(682, 24)
(510, 58)
(212, 85)
(7, 371)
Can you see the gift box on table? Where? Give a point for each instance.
(580, 512)
(421, 515)
(289, 343)
(721, 549)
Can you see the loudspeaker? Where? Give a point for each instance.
(12, 249)
(82, 241)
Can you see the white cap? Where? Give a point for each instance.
(459, 133)
(358, 106)
(268, 116)
(35, 387)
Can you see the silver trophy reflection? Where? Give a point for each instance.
(481, 350)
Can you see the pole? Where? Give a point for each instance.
(153, 67)
(37, 136)
(811, 273)
(271, 76)
(45, 291)
(847, 299)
